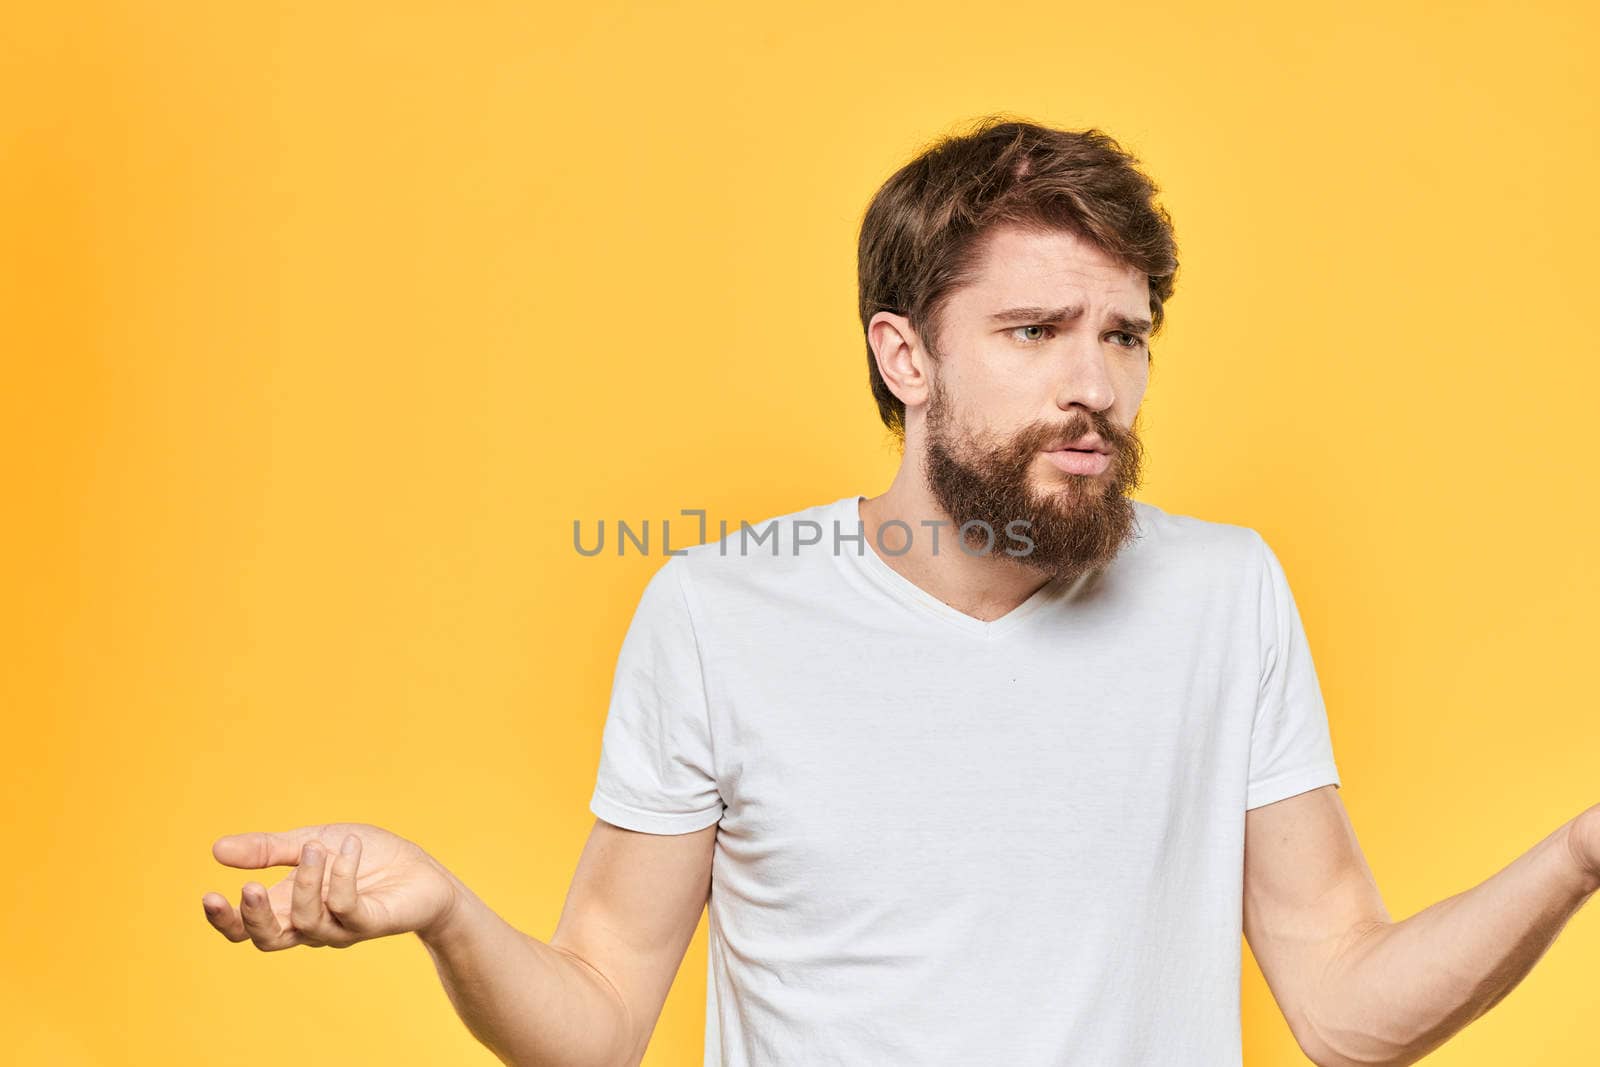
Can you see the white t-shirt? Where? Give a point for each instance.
(948, 841)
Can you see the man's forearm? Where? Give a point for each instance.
(531, 1004)
(1399, 990)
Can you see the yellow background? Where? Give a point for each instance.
(322, 323)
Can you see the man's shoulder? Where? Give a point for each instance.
(771, 537)
(1191, 538)
(745, 553)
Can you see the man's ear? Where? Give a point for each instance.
(902, 360)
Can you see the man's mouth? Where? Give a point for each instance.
(1087, 443)
(1079, 460)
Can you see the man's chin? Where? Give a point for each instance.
(1060, 489)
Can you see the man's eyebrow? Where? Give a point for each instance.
(1051, 316)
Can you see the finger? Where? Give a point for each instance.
(306, 912)
(260, 923)
(342, 903)
(220, 913)
(262, 849)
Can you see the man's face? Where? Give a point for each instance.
(1046, 350)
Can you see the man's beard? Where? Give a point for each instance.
(1077, 523)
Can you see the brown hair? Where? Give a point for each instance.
(920, 236)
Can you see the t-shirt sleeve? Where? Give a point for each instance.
(656, 773)
(1290, 747)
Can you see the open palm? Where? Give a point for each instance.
(351, 882)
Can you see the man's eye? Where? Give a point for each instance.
(1032, 335)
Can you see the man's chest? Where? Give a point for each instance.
(938, 764)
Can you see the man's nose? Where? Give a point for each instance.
(1084, 376)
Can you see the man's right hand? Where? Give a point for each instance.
(351, 882)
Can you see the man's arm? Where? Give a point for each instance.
(1358, 988)
(591, 996)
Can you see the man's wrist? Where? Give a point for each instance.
(445, 928)
(1580, 832)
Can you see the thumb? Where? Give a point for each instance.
(263, 849)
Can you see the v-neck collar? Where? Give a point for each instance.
(847, 511)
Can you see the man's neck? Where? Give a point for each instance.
(984, 586)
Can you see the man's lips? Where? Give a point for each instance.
(1079, 460)
(1088, 443)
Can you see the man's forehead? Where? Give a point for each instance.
(1027, 266)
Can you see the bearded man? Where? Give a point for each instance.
(1009, 797)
